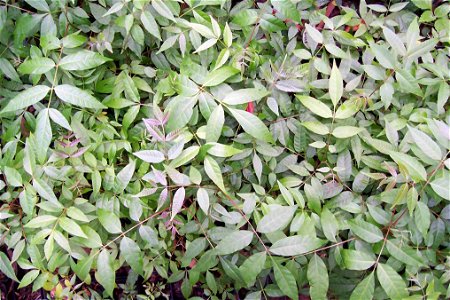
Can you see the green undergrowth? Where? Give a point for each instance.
(225, 149)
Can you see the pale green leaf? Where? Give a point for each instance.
(285, 280)
(105, 273)
(71, 227)
(429, 147)
(82, 60)
(366, 231)
(252, 125)
(215, 124)
(335, 85)
(26, 98)
(365, 289)
(244, 96)
(317, 107)
(318, 278)
(109, 221)
(277, 218)
(414, 168)
(132, 254)
(76, 96)
(213, 171)
(218, 76)
(36, 66)
(357, 260)
(295, 245)
(234, 241)
(6, 267)
(392, 283)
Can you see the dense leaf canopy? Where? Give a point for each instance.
(225, 149)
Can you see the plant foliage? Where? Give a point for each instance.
(252, 148)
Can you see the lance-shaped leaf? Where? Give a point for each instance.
(252, 125)
(411, 165)
(335, 85)
(26, 98)
(36, 66)
(177, 202)
(75, 96)
(213, 171)
(106, 274)
(392, 283)
(82, 60)
(233, 242)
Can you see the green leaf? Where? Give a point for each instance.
(82, 60)
(420, 49)
(403, 253)
(357, 260)
(288, 9)
(252, 125)
(132, 254)
(109, 221)
(330, 225)
(150, 156)
(215, 124)
(277, 218)
(213, 171)
(335, 85)
(84, 266)
(6, 267)
(366, 231)
(177, 202)
(407, 83)
(343, 132)
(395, 42)
(252, 266)
(125, 175)
(41, 221)
(296, 245)
(316, 127)
(187, 155)
(105, 274)
(429, 147)
(13, 177)
(244, 96)
(218, 76)
(220, 150)
(71, 227)
(59, 118)
(365, 289)
(441, 187)
(45, 191)
(315, 106)
(384, 57)
(422, 217)
(318, 278)
(26, 98)
(234, 241)
(315, 34)
(227, 35)
(285, 280)
(76, 96)
(415, 170)
(162, 9)
(43, 134)
(6, 68)
(150, 24)
(391, 282)
(36, 66)
(203, 200)
(28, 278)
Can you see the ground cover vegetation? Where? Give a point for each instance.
(224, 149)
